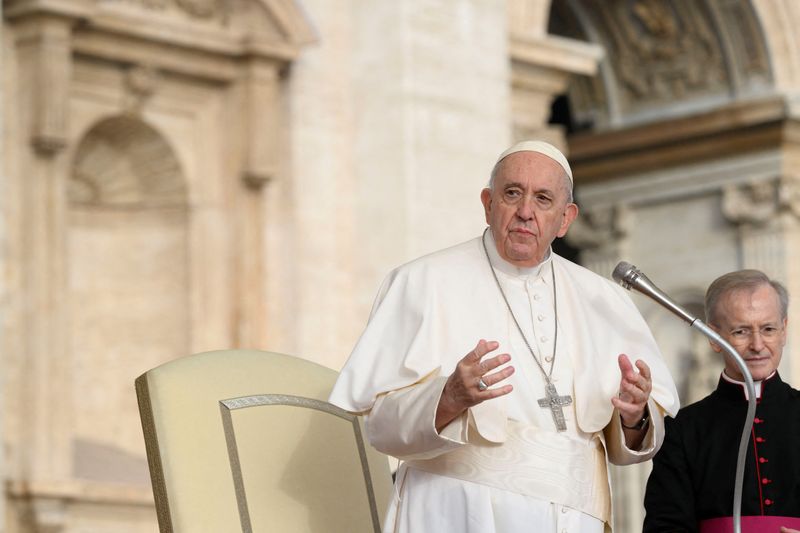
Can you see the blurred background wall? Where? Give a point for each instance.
(187, 175)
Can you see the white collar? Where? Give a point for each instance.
(504, 266)
(756, 384)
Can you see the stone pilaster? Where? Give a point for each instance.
(40, 448)
(541, 68)
(261, 135)
(767, 216)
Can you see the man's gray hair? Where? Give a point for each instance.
(748, 280)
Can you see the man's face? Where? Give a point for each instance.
(750, 320)
(527, 207)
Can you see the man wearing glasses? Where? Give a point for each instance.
(692, 482)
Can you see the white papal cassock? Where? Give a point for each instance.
(502, 466)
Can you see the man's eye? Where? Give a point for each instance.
(513, 193)
(739, 333)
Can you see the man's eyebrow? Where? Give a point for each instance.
(520, 185)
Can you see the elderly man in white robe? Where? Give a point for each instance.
(501, 374)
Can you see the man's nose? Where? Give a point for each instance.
(757, 341)
(525, 209)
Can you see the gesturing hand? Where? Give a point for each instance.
(464, 386)
(634, 390)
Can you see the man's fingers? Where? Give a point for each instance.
(644, 370)
(482, 348)
(499, 391)
(496, 377)
(493, 362)
(625, 365)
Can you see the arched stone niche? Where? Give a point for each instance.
(127, 287)
(662, 57)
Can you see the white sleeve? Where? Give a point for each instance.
(402, 423)
(618, 451)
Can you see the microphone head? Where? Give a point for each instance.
(625, 274)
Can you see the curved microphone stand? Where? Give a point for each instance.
(630, 277)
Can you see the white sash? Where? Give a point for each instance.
(536, 463)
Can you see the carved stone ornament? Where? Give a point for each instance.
(667, 50)
(202, 9)
(753, 203)
(789, 194)
(141, 82)
(599, 227)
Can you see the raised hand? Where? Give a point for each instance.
(634, 390)
(471, 382)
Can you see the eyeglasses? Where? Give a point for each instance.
(742, 336)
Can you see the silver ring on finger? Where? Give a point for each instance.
(482, 386)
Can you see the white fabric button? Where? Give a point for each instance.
(540, 317)
(564, 510)
(549, 359)
(537, 297)
(543, 338)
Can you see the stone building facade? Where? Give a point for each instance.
(187, 175)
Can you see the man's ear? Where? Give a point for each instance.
(486, 200)
(570, 214)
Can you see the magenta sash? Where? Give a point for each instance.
(750, 524)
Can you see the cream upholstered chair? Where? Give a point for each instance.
(243, 440)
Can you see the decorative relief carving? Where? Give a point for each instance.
(664, 50)
(789, 194)
(599, 228)
(141, 82)
(201, 9)
(755, 203)
(661, 54)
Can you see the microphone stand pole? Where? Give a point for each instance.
(631, 278)
(748, 423)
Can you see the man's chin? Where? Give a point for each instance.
(525, 257)
(759, 372)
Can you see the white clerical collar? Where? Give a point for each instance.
(756, 384)
(512, 270)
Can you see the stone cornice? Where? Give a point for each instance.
(558, 53)
(734, 129)
(115, 31)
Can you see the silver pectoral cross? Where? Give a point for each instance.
(555, 403)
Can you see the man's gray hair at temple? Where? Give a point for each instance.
(741, 280)
(543, 148)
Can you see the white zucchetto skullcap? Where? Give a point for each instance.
(543, 148)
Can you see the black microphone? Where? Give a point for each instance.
(631, 277)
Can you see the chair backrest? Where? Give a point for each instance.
(244, 440)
